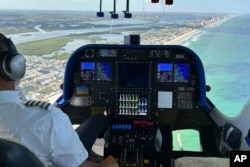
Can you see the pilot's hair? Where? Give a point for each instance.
(12, 64)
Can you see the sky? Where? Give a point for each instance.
(218, 6)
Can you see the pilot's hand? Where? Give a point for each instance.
(109, 162)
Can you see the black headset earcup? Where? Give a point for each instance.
(14, 67)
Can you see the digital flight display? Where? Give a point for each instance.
(133, 75)
(165, 72)
(103, 72)
(177, 72)
(100, 71)
(88, 71)
(107, 53)
(181, 73)
(82, 90)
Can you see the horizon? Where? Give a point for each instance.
(183, 6)
(121, 12)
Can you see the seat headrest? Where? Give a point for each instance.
(15, 154)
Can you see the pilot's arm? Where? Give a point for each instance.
(68, 149)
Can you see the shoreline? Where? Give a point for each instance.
(183, 37)
(175, 36)
(193, 32)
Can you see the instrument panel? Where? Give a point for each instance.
(136, 85)
(134, 80)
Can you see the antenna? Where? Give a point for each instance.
(100, 13)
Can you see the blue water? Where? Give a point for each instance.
(225, 53)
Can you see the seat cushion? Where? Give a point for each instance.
(202, 162)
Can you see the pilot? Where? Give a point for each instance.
(43, 128)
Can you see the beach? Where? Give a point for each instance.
(175, 35)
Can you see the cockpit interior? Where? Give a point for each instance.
(154, 94)
(146, 91)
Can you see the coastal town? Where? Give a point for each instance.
(44, 78)
(175, 35)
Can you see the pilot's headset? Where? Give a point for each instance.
(12, 64)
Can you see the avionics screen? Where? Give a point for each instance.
(88, 71)
(103, 72)
(165, 72)
(181, 72)
(107, 53)
(133, 75)
(82, 90)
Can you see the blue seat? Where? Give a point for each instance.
(14, 154)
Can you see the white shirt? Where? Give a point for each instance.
(48, 133)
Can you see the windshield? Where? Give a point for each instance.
(47, 32)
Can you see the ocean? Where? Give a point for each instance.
(225, 52)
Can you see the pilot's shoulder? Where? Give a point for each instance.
(40, 104)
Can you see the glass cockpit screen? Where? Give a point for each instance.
(107, 52)
(88, 71)
(103, 71)
(133, 75)
(181, 72)
(165, 72)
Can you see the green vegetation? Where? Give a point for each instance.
(62, 56)
(7, 31)
(47, 46)
(42, 47)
